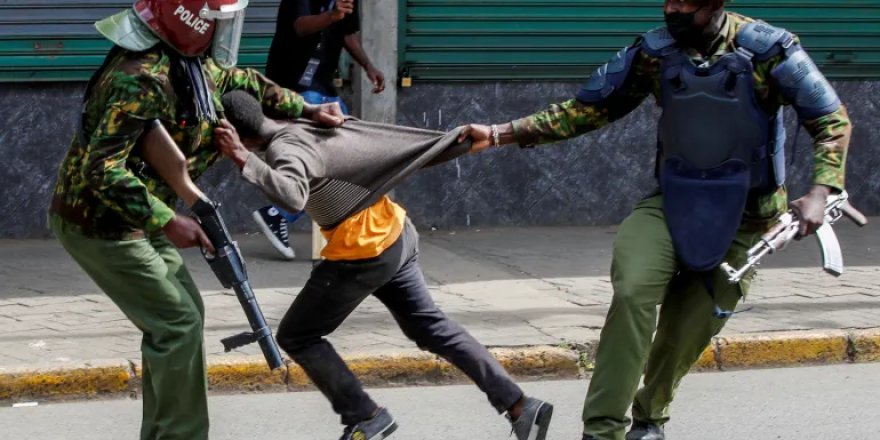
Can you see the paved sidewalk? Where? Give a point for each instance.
(509, 286)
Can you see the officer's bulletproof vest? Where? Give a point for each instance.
(715, 147)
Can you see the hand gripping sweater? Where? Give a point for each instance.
(334, 173)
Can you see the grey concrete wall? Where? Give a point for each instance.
(36, 125)
(591, 180)
(379, 37)
(594, 179)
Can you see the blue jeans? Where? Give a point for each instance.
(313, 97)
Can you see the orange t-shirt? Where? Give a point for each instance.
(366, 234)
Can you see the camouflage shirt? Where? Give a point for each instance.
(101, 185)
(830, 133)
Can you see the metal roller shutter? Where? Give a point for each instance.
(55, 40)
(551, 39)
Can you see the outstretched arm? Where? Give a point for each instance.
(613, 91)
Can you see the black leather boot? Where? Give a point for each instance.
(645, 431)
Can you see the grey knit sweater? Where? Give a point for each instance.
(334, 173)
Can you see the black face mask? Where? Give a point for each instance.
(681, 26)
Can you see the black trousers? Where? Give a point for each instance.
(336, 288)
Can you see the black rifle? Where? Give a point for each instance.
(229, 267)
(164, 158)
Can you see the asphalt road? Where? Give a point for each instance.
(820, 403)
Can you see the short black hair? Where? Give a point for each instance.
(243, 111)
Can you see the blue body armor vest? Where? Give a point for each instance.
(716, 146)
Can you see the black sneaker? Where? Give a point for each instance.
(533, 422)
(274, 227)
(379, 427)
(645, 431)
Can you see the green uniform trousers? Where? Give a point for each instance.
(147, 279)
(644, 274)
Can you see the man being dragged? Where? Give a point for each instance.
(341, 177)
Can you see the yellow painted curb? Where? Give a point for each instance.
(85, 380)
(395, 369)
(538, 362)
(250, 373)
(528, 362)
(865, 345)
(245, 374)
(782, 349)
(707, 360)
(391, 369)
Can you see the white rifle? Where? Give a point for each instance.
(786, 229)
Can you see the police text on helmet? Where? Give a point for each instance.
(192, 20)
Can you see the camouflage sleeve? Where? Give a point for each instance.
(573, 118)
(278, 102)
(831, 134)
(132, 103)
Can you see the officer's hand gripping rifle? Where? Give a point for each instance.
(786, 229)
(161, 153)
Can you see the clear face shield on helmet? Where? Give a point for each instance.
(229, 24)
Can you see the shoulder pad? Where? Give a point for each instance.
(762, 39)
(658, 41)
(804, 86)
(609, 77)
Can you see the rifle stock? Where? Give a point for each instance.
(853, 214)
(162, 154)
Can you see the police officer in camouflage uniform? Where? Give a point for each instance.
(115, 218)
(721, 80)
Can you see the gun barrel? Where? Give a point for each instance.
(228, 266)
(733, 275)
(262, 332)
(754, 258)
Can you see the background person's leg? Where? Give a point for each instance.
(273, 224)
